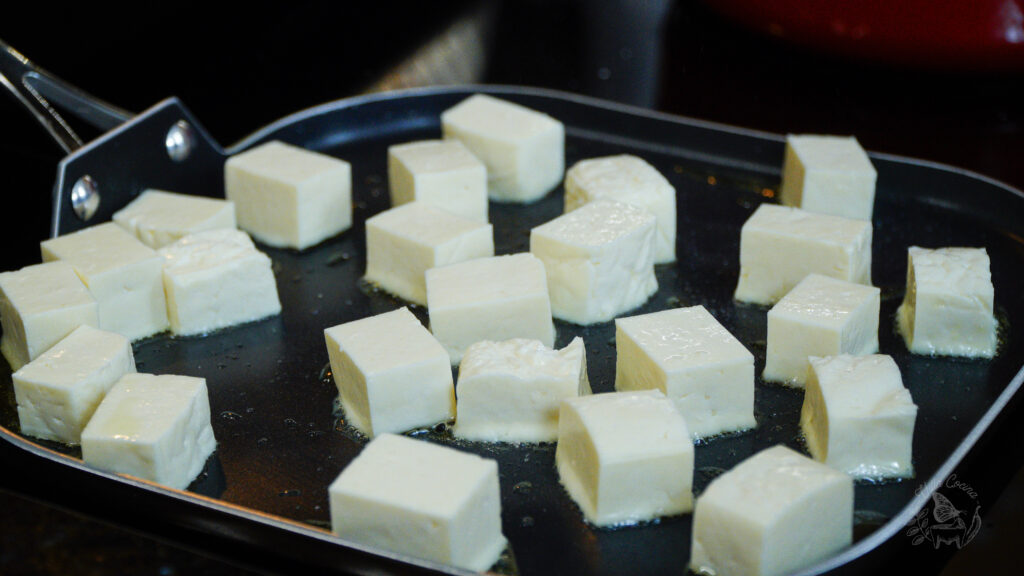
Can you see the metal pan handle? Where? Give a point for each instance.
(38, 90)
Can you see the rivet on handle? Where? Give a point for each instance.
(85, 197)
(180, 141)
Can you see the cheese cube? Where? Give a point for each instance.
(779, 246)
(39, 306)
(625, 457)
(497, 298)
(599, 260)
(947, 309)
(286, 196)
(217, 279)
(153, 427)
(857, 417)
(511, 391)
(423, 500)
(58, 392)
(523, 150)
(404, 242)
(695, 361)
(123, 274)
(442, 173)
(821, 316)
(159, 218)
(391, 374)
(632, 180)
(828, 175)
(774, 513)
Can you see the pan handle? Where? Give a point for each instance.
(35, 89)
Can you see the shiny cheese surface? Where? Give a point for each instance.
(599, 260)
(404, 242)
(510, 391)
(857, 416)
(775, 513)
(629, 179)
(159, 217)
(217, 279)
(442, 173)
(780, 245)
(287, 196)
(122, 273)
(828, 175)
(392, 375)
(947, 309)
(695, 361)
(523, 150)
(420, 499)
(39, 306)
(153, 427)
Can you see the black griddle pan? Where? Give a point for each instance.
(262, 499)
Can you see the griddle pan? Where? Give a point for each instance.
(262, 498)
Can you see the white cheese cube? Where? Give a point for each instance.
(497, 298)
(217, 279)
(632, 180)
(625, 457)
(857, 416)
(391, 374)
(828, 175)
(123, 274)
(774, 513)
(523, 150)
(695, 361)
(39, 306)
(821, 316)
(153, 427)
(780, 245)
(58, 392)
(599, 260)
(420, 499)
(159, 218)
(442, 173)
(947, 309)
(404, 242)
(286, 196)
(511, 391)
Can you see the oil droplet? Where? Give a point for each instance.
(524, 487)
(290, 493)
(229, 415)
(262, 442)
(291, 423)
(527, 522)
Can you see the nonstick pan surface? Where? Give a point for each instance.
(281, 439)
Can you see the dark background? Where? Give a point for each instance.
(241, 69)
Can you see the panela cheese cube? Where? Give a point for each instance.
(442, 173)
(123, 274)
(858, 417)
(159, 218)
(828, 175)
(625, 457)
(632, 180)
(154, 427)
(39, 306)
(496, 298)
(523, 150)
(695, 361)
(947, 309)
(422, 500)
(217, 279)
(780, 245)
(599, 260)
(511, 391)
(821, 316)
(391, 374)
(287, 196)
(404, 242)
(775, 513)
(58, 392)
